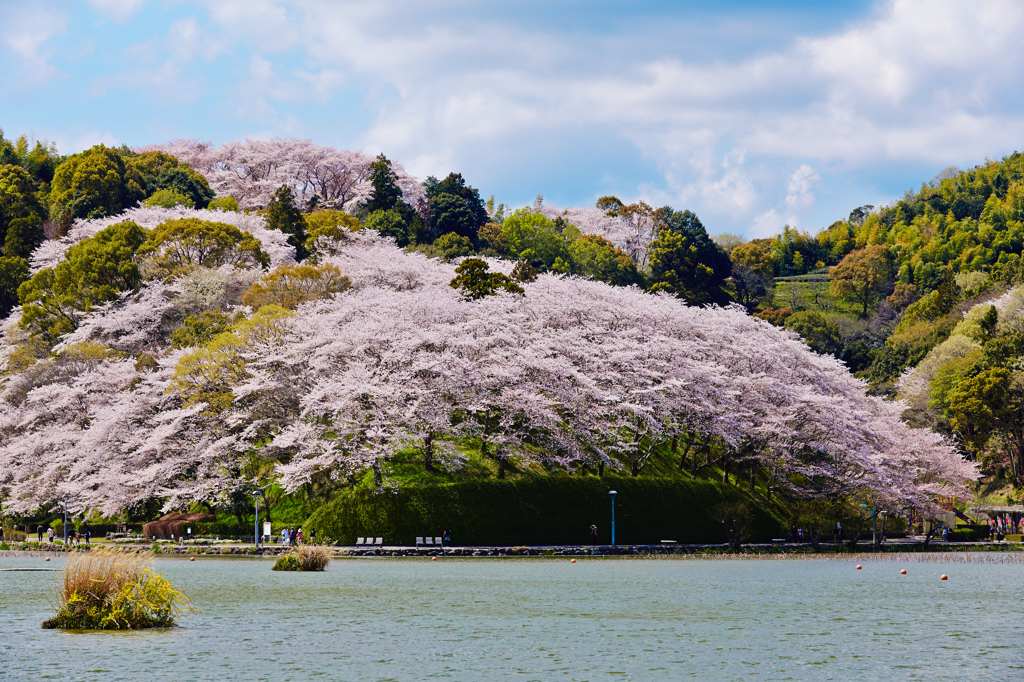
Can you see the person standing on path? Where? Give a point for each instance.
(49, 535)
(298, 537)
(284, 537)
(88, 534)
(39, 531)
(312, 537)
(593, 534)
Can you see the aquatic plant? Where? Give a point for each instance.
(105, 589)
(304, 558)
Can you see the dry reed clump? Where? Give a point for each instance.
(304, 558)
(106, 589)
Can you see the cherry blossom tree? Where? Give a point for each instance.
(570, 374)
(252, 170)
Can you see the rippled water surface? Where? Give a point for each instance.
(548, 619)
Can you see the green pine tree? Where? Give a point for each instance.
(283, 215)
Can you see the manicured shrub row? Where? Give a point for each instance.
(969, 533)
(548, 510)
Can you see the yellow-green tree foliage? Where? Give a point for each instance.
(860, 275)
(292, 285)
(96, 183)
(95, 270)
(176, 246)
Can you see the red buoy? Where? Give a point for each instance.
(192, 559)
(573, 561)
(433, 558)
(944, 577)
(47, 558)
(903, 572)
(858, 567)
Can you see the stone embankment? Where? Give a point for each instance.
(788, 549)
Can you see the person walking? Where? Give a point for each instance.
(312, 537)
(39, 531)
(88, 534)
(593, 534)
(49, 535)
(284, 537)
(298, 537)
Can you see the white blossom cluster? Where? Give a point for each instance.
(572, 373)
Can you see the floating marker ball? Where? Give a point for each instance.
(433, 558)
(903, 572)
(192, 559)
(858, 567)
(573, 561)
(944, 577)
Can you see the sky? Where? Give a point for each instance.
(751, 114)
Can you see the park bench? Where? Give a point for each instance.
(360, 541)
(379, 541)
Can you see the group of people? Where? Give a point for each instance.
(73, 538)
(290, 537)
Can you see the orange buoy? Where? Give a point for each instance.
(47, 558)
(433, 558)
(192, 559)
(858, 567)
(573, 561)
(944, 577)
(903, 572)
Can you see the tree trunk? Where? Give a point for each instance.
(378, 478)
(686, 451)
(428, 452)
(725, 470)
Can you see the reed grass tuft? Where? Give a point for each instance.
(304, 558)
(106, 589)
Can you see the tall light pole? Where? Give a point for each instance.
(65, 521)
(612, 494)
(874, 521)
(256, 530)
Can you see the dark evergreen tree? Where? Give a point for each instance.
(385, 193)
(283, 215)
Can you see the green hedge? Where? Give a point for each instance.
(968, 533)
(548, 510)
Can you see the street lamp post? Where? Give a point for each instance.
(874, 522)
(65, 520)
(256, 530)
(612, 493)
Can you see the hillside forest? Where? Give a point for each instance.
(185, 322)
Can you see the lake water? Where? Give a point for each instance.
(543, 619)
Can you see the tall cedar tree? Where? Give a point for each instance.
(386, 195)
(283, 215)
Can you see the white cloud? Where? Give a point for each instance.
(798, 191)
(26, 31)
(456, 86)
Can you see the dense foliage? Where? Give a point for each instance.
(549, 510)
(167, 355)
